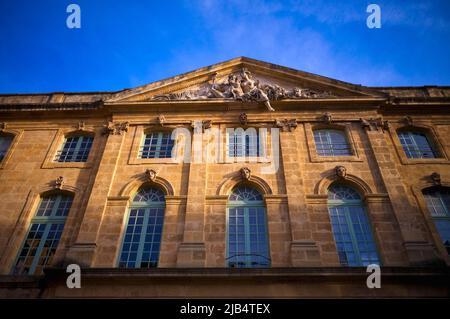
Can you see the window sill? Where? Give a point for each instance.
(414, 161)
(143, 161)
(67, 164)
(318, 159)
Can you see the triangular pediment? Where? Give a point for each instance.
(244, 79)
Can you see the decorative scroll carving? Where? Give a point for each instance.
(436, 178)
(341, 172)
(375, 124)
(3, 126)
(59, 182)
(150, 175)
(116, 128)
(243, 87)
(243, 119)
(286, 125)
(327, 118)
(246, 173)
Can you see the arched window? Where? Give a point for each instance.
(44, 234)
(142, 238)
(157, 145)
(74, 149)
(351, 227)
(248, 242)
(5, 143)
(331, 143)
(438, 202)
(416, 144)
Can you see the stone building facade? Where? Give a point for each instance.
(336, 162)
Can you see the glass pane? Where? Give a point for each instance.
(157, 145)
(5, 142)
(342, 192)
(416, 145)
(149, 195)
(248, 244)
(243, 143)
(352, 232)
(75, 149)
(245, 193)
(331, 143)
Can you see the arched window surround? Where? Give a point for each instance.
(59, 140)
(16, 135)
(352, 138)
(432, 134)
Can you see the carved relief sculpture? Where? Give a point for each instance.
(150, 175)
(59, 182)
(341, 172)
(242, 86)
(245, 173)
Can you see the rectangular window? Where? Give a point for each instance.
(5, 142)
(243, 143)
(141, 244)
(248, 244)
(438, 203)
(157, 145)
(331, 143)
(416, 145)
(75, 149)
(43, 237)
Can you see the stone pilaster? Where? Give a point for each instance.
(191, 252)
(83, 250)
(419, 250)
(304, 251)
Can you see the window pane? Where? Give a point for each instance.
(438, 202)
(416, 145)
(243, 143)
(157, 145)
(44, 234)
(142, 239)
(75, 149)
(248, 243)
(5, 142)
(331, 143)
(351, 228)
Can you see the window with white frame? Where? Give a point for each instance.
(74, 149)
(142, 238)
(248, 240)
(5, 143)
(332, 143)
(351, 227)
(156, 145)
(438, 202)
(244, 143)
(44, 234)
(417, 145)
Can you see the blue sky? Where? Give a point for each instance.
(122, 44)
